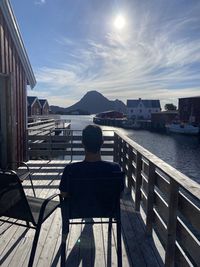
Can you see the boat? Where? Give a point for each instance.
(110, 118)
(130, 124)
(182, 128)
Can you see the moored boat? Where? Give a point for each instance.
(130, 124)
(110, 118)
(183, 128)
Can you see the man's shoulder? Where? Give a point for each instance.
(101, 164)
(74, 165)
(111, 165)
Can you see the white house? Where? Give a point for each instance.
(142, 109)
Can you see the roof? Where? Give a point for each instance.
(32, 99)
(43, 101)
(189, 97)
(147, 103)
(17, 39)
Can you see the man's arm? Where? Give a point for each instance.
(64, 183)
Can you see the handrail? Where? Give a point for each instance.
(192, 187)
(170, 201)
(69, 143)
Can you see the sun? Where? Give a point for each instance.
(119, 22)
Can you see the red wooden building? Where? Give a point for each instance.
(15, 74)
(160, 119)
(189, 109)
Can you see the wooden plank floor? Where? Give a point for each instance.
(89, 245)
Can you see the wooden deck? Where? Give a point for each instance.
(88, 245)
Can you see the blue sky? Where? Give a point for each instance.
(74, 47)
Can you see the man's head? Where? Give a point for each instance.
(92, 138)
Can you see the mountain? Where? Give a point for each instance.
(92, 102)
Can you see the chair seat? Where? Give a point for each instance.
(35, 206)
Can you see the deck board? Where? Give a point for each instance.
(87, 245)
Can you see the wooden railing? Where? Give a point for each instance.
(41, 127)
(44, 125)
(169, 199)
(68, 144)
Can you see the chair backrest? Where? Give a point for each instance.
(95, 196)
(13, 201)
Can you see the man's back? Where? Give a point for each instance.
(86, 168)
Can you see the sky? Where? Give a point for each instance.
(75, 46)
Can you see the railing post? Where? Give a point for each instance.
(71, 145)
(130, 167)
(150, 198)
(116, 149)
(171, 223)
(50, 144)
(138, 181)
(124, 159)
(120, 152)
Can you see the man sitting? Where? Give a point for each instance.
(92, 140)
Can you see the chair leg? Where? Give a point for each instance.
(34, 246)
(32, 185)
(110, 225)
(119, 244)
(65, 231)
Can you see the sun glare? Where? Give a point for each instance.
(119, 22)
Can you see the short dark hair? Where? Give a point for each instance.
(92, 138)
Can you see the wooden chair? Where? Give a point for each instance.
(93, 197)
(15, 204)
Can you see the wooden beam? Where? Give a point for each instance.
(171, 224)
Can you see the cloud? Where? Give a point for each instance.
(157, 59)
(40, 2)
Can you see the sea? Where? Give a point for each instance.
(180, 151)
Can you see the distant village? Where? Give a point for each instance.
(146, 112)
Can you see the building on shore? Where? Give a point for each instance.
(160, 119)
(34, 106)
(15, 74)
(37, 107)
(45, 109)
(142, 108)
(189, 109)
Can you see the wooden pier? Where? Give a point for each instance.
(87, 245)
(45, 125)
(160, 212)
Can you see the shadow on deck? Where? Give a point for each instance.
(89, 245)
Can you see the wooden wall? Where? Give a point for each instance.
(10, 64)
(45, 109)
(189, 107)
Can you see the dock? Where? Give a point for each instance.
(160, 211)
(87, 245)
(43, 125)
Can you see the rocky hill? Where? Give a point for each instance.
(91, 103)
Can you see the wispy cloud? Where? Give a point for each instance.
(158, 58)
(40, 2)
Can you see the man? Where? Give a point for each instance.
(92, 140)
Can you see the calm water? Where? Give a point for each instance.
(182, 152)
